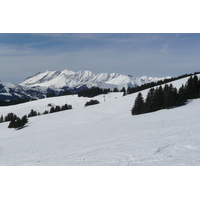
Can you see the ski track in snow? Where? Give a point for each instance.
(102, 135)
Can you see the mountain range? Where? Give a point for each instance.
(40, 84)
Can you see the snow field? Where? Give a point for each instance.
(104, 134)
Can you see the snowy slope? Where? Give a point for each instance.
(71, 79)
(104, 134)
(42, 104)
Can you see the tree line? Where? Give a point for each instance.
(94, 91)
(33, 113)
(167, 96)
(14, 102)
(154, 84)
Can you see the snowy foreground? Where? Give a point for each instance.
(104, 134)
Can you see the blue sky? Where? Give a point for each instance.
(159, 55)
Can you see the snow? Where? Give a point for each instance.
(74, 79)
(6, 94)
(102, 135)
(42, 104)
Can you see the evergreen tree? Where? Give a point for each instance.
(174, 98)
(24, 120)
(52, 110)
(32, 113)
(10, 117)
(166, 95)
(138, 105)
(123, 90)
(115, 90)
(1, 119)
(46, 112)
(11, 124)
(149, 102)
(192, 89)
(57, 109)
(128, 90)
(182, 96)
(91, 102)
(158, 98)
(18, 123)
(66, 107)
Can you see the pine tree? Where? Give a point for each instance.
(138, 105)
(166, 95)
(91, 102)
(124, 91)
(32, 113)
(115, 90)
(18, 123)
(52, 110)
(158, 98)
(46, 112)
(182, 97)
(57, 109)
(10, 117)
(149, 102)
(11, 124)
(23, 121)
(1, 119)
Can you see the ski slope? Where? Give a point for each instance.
(102, 135)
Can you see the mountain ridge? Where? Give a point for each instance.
(71, 79)
(42, 83)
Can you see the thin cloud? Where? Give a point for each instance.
(135, 54)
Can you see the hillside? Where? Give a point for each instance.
(103, 134)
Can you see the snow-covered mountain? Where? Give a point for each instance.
(9, 91)
(70, 79)
(37, 86)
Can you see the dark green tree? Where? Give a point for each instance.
(149, 102)
(18, 123)
(57, 109)
(66, 107)
(115, 90)
(1, 119)
(10, 117)
(182, 96)
(192, 87)
(46, 112)
(32, 113)
(11, 124)
(138, 105)
(123, 90)
(52, 110)
(91, 102)
(166, 95)
(158, 98)
(23, 121)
